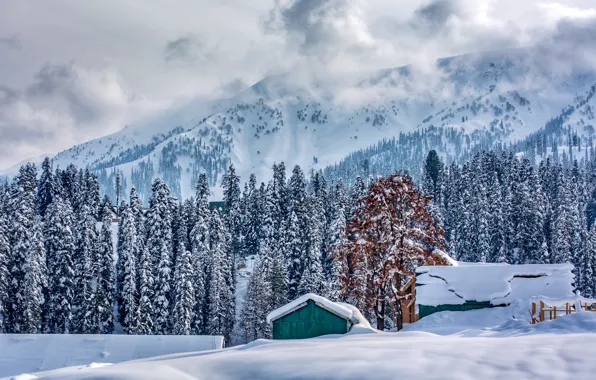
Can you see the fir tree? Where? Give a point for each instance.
(144, 313)
(256, 306)
(231, 198)
(85, 265)
(252, 224)
(184, 297)
(60, 249)
(104, 284)
(219, 296)
(312, 280)
(45, 189)
(199, 238)
(27, 267)
(126, 275)
(159, 243)
(294, 248)
(4, 262)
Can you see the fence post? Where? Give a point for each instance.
(555, 311)
(533, 312)
(541, 311)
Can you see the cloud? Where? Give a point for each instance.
(189, 48)
(63, 104)
(12, 41)
(113, 62)
(322, 29)
(433, 17)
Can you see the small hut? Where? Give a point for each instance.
(310, 316)
(478, 286)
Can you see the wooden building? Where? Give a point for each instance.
(310, 316)
(472, 286)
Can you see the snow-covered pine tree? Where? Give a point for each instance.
(252, 222)
(280, 190)
(233, 216)
(126, 270)
(561, 252)
(60, 249)
(27, 261)
(144, 313)
(118, 190)
(92, 194)
(297, 231)
(337, 238)
(219, 297)
(588, 268)
(189, 220)
(184, 292)
(85, 269)
(529, 206)
(271, 262)
(104, 281)
(4, 261)
(256, 306)
(312, 280)
(496, 252)
(177, 226)
(293, 246)
(199, 237)
(136, 208)
(45, 188)
(159, 243)
(70, 184)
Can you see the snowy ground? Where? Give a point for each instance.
(21, 353)
(561, 349)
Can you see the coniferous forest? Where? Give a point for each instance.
(73, 262)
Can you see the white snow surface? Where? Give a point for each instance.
(560, 349)
(501, 284)
(23, 353)
(341, 310)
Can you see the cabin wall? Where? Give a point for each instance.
(308, 322)
(425, 310)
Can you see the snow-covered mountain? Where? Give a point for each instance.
(315, 122)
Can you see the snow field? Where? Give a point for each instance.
(561, 349)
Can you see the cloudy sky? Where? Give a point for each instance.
(73, 70)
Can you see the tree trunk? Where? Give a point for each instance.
(380, 312)
(399, 317)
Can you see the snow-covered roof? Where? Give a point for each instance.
(496, 283)
(333, 307)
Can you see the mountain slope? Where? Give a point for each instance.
(485, 97)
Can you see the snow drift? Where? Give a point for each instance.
(561, 349)
(22, 353)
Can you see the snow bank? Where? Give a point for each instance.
(42, 352)
(572, 323)
(496, 283)
(502, 355)
(334, 307)
(360, 323)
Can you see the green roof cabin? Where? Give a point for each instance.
(310, 316)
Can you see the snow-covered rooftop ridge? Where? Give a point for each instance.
(333, 307)
(447, 258)
(496, 283)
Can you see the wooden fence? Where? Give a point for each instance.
(544, 308)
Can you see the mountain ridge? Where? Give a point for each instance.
(507, 94)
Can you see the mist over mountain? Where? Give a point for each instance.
(453, 106)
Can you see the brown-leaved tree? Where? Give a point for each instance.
(390, 235)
